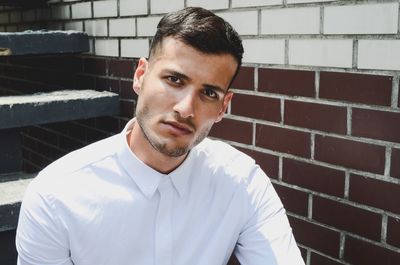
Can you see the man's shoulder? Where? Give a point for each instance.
(81, 158)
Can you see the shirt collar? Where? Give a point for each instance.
(145, 177)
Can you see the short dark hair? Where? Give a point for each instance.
(200, 29)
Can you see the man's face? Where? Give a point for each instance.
(181, 94)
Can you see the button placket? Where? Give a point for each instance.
(164, 224)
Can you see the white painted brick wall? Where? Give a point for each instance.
(135, 48)
(147, 26)
(96, 27)
(165, 6)
(105, 8)
(290, 21)
(132, 8)
(124, 27)
(60, 12)
(264, 51)
(362, 19)
(329, 53)
(245, 22)
(379, 54)
(106, 47)
(74, 25)
(244, 3)
(82, 10)
(209, 4)
(307, 1)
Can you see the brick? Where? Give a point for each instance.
(84, 82)
(106, 47)
(244, 79)
(15, 17)
(375, 193)
(96, 27)
(81, 10)
(361, 252)
(28, 15)
(316, 116)
(124, 27)
(352, 154)
(379, 54)
(108, 124)
(4, 18)
(314, 177)
(106, 8)
(358, 88)
(294, 201)
(135, 48)
(94, 135)
(382, 125)
(228, 129)
(161, 6)
(126, 90)
(303, 252)
(241, 3)
(264, 51)
(209, 4)
(393, 231)
(346, 217)
(290, 21)
(244, 22)
(315, 236)
(58, 12)
(288, 82)
(317, 52)
(122, 68)
(44, 13)
(74, 25)
(268, 163)
(126, 109)
(256, 107)
(283, 140)
(395, 163)
(147, 26)
(361, 19)
(105, 84)
(316, 259)
(132, 8)
(95, 66)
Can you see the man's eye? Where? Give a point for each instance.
(210, 93)
(174, 79)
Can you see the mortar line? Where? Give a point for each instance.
(395, 92)
(388, 160)
(384, 228)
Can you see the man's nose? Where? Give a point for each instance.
(186, 105)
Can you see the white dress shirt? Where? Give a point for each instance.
(102, 205)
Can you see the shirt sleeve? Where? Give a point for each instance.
(267, 237)
(40, 238)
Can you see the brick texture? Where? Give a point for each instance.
(393, 231)
(321, 260)
(288, 82)
(357, 88)
(233, 130)
(395, 165)
(382, 125)
(268, 163)
(376, 193)
(315, 116)
(361, 252)
(325, 240)
(294, 201)
(122, 68)
(283, 140)
(346, 217)
(314, 177)
(256, 107)
(244, 79)
(350, 153)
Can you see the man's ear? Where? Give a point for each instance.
(227, 98)
(139, 74)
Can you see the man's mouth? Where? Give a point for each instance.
(179, 128)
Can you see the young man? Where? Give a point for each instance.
(160, 192)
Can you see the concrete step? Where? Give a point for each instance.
(43, 42)
(12, 189)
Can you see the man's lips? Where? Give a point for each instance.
(179, 127)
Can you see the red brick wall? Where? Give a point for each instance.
(330, 142)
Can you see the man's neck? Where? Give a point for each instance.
(141, 147)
